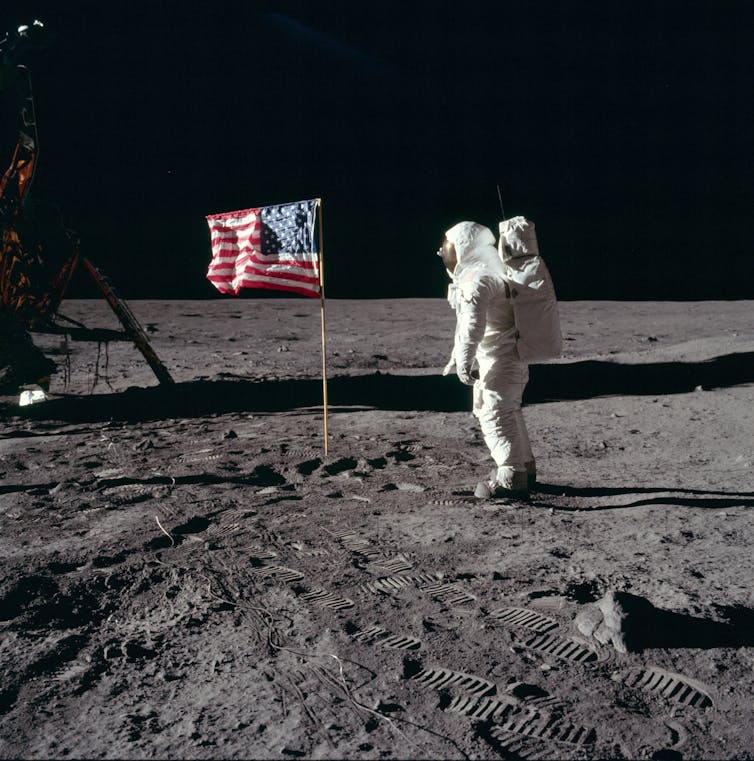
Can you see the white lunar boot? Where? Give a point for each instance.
(504, 482)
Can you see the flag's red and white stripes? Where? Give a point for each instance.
(238, 261)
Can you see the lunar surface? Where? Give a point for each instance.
(187, 574)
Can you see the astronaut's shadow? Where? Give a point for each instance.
(679, 497)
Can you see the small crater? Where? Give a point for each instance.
(583, 591)
(389, 707)
(524, 691)
(161, 542)
(445, 700)
(264, 475)
(308, 467)
(194, 525)
(411, 667)
(64, 651)
(8, 697)
(340, 466)
(136, 652)
(105, 561)
(59, 568)
(543, 593)
(24, 594)
(400, 455)
(667, 754)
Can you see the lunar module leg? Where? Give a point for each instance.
(134, 331)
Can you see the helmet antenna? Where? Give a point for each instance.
(500, 198)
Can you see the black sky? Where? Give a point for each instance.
(623, 130)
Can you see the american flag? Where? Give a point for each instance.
(265, 247)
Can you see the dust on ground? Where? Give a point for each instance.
(186, 574)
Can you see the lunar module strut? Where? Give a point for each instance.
(29, 300)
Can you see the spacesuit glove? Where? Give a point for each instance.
(465, 375)
(448, 369)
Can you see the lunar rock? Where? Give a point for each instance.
(618, 619)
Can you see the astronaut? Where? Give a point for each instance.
(485, 355)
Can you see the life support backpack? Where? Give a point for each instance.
(535, 306)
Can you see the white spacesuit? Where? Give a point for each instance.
(486, 337)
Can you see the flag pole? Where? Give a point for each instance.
(322, 313)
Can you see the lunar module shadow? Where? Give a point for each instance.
(385, 391)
